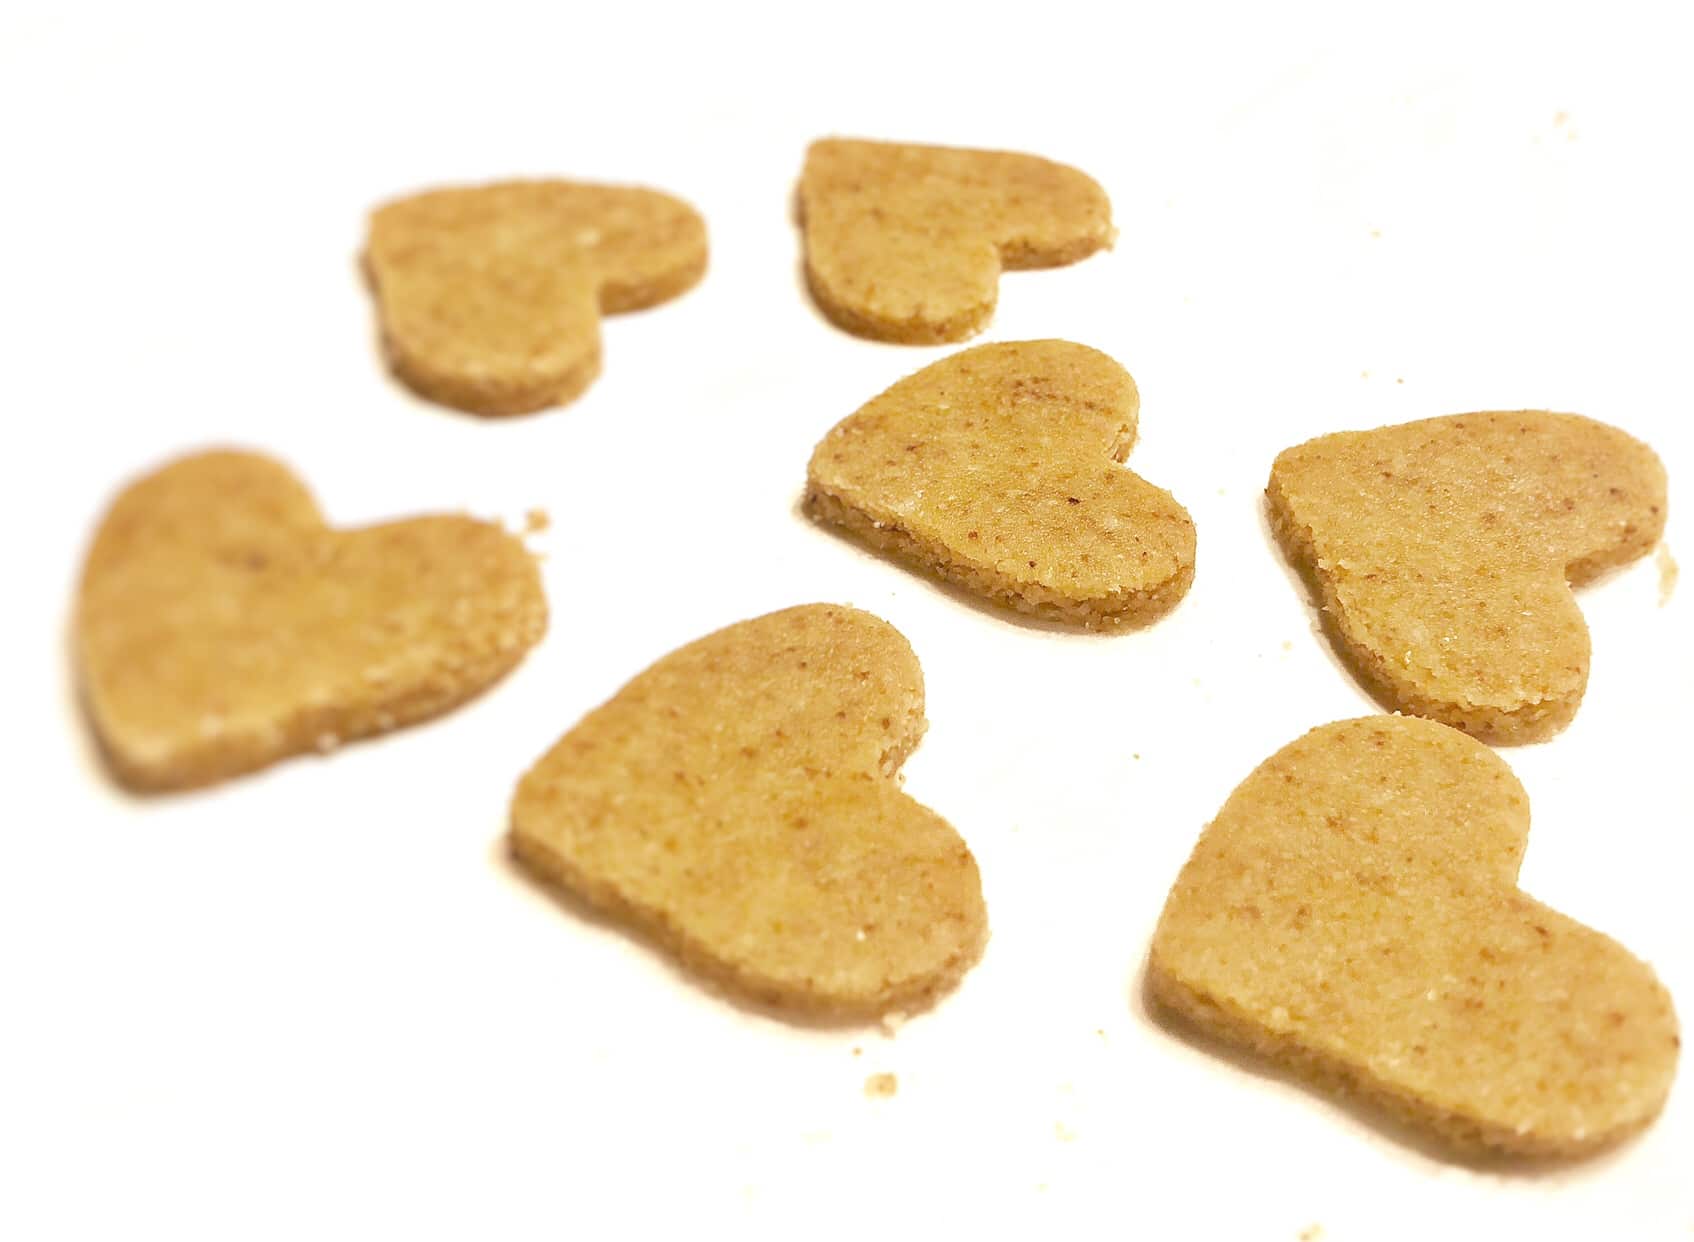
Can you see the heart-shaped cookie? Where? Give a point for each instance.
(738, 802)
(491, 296)
(1443, 552)
(222, 625)
(906, 243)
(1353, 912)
(997, 469)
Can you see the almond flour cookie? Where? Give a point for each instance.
(1443, 552)
(1353, 913)
(491, 296)
(906, 243)
(221, 625)
(997, 469)
(738, 802)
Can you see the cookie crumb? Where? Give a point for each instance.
(881, 1086)
(536, 521)
(1311, 1233)
(1669, 571)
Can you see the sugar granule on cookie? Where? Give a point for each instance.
(1353, 913)
(222, 625)
(490, 296)
(738, 802)
(906, 243)
(1444, 551)
(998, 469)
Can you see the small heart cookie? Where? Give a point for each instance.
(906, 243)
(1444, 552)
(491, 296)
(221, 625)
(738, 802)
(997, 469)
(1353, 912)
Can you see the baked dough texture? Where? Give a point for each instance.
(490, 296)
(906, 243)
(1353, 913)
(737, 802)
(221, 625)
(997, 469)
(1443, 553)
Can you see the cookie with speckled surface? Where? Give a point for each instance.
(738, 802)
(997, 469)
(490, 296)
(221, 625)
(906, 243)
(1353, 913)
(1444, 552)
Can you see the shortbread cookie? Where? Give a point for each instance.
(221, 625)
(491, 296)
(1353, 912)
(738, 802)
(906, 243)
(1443, 552)
(996, 469)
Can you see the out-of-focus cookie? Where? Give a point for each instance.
(1443, 553)
(997, 469)
(1353, 913)
(221, 625)
(906, 243)
(490, 296)
(738, 802)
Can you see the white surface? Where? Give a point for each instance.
(319, 1003)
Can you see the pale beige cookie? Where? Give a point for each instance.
(1353, 913)
(906, 243)
(1443, 552)
(221, 625)
(491, 296)
(738, 802)
(997, 469)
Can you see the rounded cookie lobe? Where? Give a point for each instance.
(491, 296)
(221, 625)
(906, 243)
(997, 469)
(737, 801)
(1353, 912)
(1443, 552)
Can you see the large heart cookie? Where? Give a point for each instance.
(491, 296)
(906, 243)
(997, 469)
(738, 802)
(1444, 552)
(1353, 912)
(222, 625)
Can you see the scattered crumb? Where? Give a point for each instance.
(858, 1052)
(1668, 573)
(1288, 644)
(1364, 374)
(1063, 1132)
(1311, 1233)
(1559, 118)
(536, 521)
(1398, 380)
(881, 1086)
(1137, 755)
(1376, 232)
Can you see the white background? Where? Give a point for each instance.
(319, 1003)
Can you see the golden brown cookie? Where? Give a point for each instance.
(997, 469)
(738, 802)
(1353, 913)
(1443, 552)
(906, 243)
(491, 296)
(221, 625)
